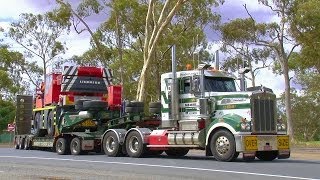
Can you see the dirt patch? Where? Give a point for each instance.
(306, 154)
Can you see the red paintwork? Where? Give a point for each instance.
(52, 89)
(90, 71)
(158, 137)
(50, 92)
(114, 96)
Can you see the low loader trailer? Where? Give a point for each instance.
(80, 111)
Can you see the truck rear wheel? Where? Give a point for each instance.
(16, 143)
(134, 144)
(75, 146)
(266, 155)
(62, 146)
(177, 152)
(111, 145)
(223, 146)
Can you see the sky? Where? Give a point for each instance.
(77, 44)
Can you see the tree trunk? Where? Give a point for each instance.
(288, 99)
(152, 40)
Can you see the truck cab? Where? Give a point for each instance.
(220, 119)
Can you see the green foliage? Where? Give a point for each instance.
(305, 27)
(38, 35)
(11, 81)
(7, 113)
(305, 113)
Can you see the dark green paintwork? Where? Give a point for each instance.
(233, 120)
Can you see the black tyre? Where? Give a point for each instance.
(155, 110)
(266, 155)
(95, 105)
(50, 121)
(21, 143)
(155, 152)
(75, 146)
(16, 143)
(111, 145)
(26, 144)
(62, 146)
(134, 109)
(155, 105)
(134, 145)
(223, 146)
(36, 124)
(177, 152)
(78, 105)
(135, 104)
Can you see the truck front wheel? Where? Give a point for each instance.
(223, 146)
(266, 155)
(75, 146)
(111, 145)
(62, 146)
(134, 144)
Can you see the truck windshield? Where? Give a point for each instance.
(219, 84)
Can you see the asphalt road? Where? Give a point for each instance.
(33, 164)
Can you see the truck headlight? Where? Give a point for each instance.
(281, 127)
(245, 125)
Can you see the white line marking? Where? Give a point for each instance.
(164, 166)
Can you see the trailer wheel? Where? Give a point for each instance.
(155, 105)
(26, 144)
(155, 110)
(134, 144)
(21, 143)
(62, 146)
(223, 146)
(75, 146)
(177, 152)
(266, 155)
(50, 122)
(111, 145)
(16, 143)
(135, 104)
(134, 109)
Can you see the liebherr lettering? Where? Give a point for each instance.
(89, 82)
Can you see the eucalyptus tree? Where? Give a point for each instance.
(39, 36)
(275, 36)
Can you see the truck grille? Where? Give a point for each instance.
(263, 113)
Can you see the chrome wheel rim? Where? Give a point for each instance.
(59, 146)
(133, 144)
(110, 144)
(222, 145)
(74, 145)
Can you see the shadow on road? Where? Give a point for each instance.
(238, 160)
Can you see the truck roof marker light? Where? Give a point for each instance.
(188, 67)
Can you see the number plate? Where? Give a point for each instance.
(251, 143)
(283, 142)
